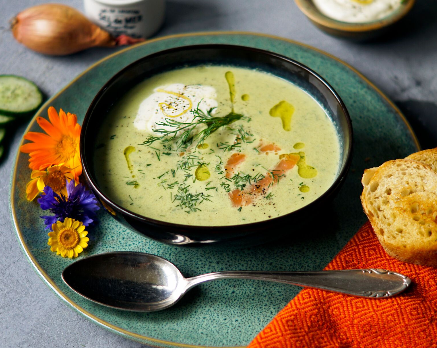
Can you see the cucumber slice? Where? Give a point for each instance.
(2, 134)
(18, 95)
(5, 119)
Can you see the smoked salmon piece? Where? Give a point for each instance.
(269, 148)
(233, 162)
(241, 198)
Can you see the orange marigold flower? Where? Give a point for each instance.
(59, 146)
(54, 176)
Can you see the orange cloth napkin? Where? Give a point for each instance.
(316, 318)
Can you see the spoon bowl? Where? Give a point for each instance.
(127, 280)
(142, 282)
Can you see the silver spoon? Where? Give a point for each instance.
(144, 283)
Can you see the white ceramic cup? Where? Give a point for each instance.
(136, 18)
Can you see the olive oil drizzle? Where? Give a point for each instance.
(230, 78)
(285, 111)
(127, 151)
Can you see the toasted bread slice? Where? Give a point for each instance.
(428, 157)
(400, 200)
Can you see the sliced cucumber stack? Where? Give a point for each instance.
(5, 119)
(18, 96)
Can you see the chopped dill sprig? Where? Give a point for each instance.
(183, 133)
(133, 183)
(241, 181)
(172, 185)
(189, 201)
(242, 136)
(269, 196)
(219, 166)
(159, 177)
(228, 147)
(226, 186)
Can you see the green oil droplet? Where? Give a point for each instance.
(230, 78)
(127, 151)
(304, 170)
(304, 188)
(202, 173)
(202, 146)
(245, 97)
(284, 110)
(299, 146)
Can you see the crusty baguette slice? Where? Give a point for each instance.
(400, 200)
(428, 157)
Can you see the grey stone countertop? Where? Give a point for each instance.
(403, 66)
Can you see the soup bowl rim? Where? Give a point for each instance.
(219, 230)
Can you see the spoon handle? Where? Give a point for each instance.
(357, 282)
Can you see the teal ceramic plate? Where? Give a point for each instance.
(225, 313)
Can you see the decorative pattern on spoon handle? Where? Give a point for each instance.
(402, 287)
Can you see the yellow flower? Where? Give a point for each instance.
(54, 177)
(68, 238)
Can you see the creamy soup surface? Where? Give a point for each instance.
(216, 145)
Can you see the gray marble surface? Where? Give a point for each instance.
(403, 66)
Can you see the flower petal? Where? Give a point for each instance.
(32, 190)
(52, 131)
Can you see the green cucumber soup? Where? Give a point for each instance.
(215, 146)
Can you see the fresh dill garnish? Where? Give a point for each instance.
(242, 136)
(183, 133)
(241, 208)
(226, 186)
(133, 183)
(173, 173)
(189, 161)
(218, 167)
(269, 196)
(228, 147)
(172, 185)
(189, 201)
(241, 181)
(159, 177)
(211, 188)
(158, 155)
(112, 136)
(187, 176)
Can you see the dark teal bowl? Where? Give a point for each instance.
(235, 235)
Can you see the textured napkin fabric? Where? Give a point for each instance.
(316, 318)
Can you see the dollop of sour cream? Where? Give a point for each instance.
(176, 101)
(357, 11)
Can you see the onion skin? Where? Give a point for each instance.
(56, 29)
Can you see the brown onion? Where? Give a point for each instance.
(56, 29)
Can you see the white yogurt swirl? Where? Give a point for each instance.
(174, 101)
(357, 11)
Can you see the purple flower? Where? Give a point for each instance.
(80, 205)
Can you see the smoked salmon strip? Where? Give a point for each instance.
(269, 148)
(241, 198)
(233, 162)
